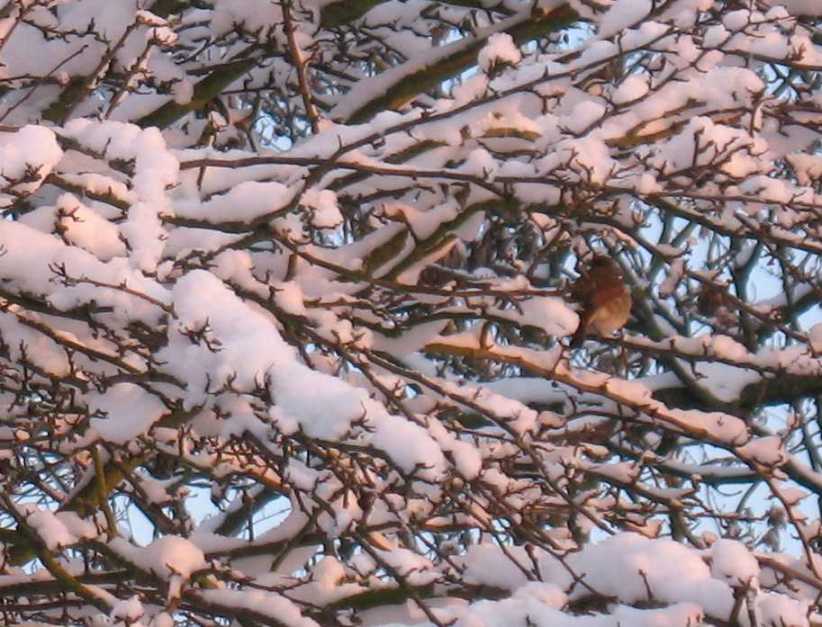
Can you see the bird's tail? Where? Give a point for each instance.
(580, 333)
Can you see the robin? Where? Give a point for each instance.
(606, 300)
(714, 302)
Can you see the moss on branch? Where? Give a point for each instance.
(407, 87)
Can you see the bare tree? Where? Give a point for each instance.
(287, 292)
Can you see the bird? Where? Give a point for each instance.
(606, 300)
(715, 303)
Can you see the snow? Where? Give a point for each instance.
(270, 605)
(41, 350)
(155, 170)
(49, 528)
(31, 149)
(80, 225)
(30, 257)
(727, 348)
(480, 163)
(126, 411)
(503, 613)
(254, 15)
(630, 89)
(467, 458)
(365, 90)
(584, 115)
(553, 315)
(731, 561)
(799, 7)
(815, 337)
(325, 212)
(167, 557)
(128, 609)
(766, 450)
(626, 567)
(250, 347)
(289, 297)
(244, 202)
(500, 48)
(777, 610)
(623, 14)
(254, 344)
(485, 565)
(639, 567)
